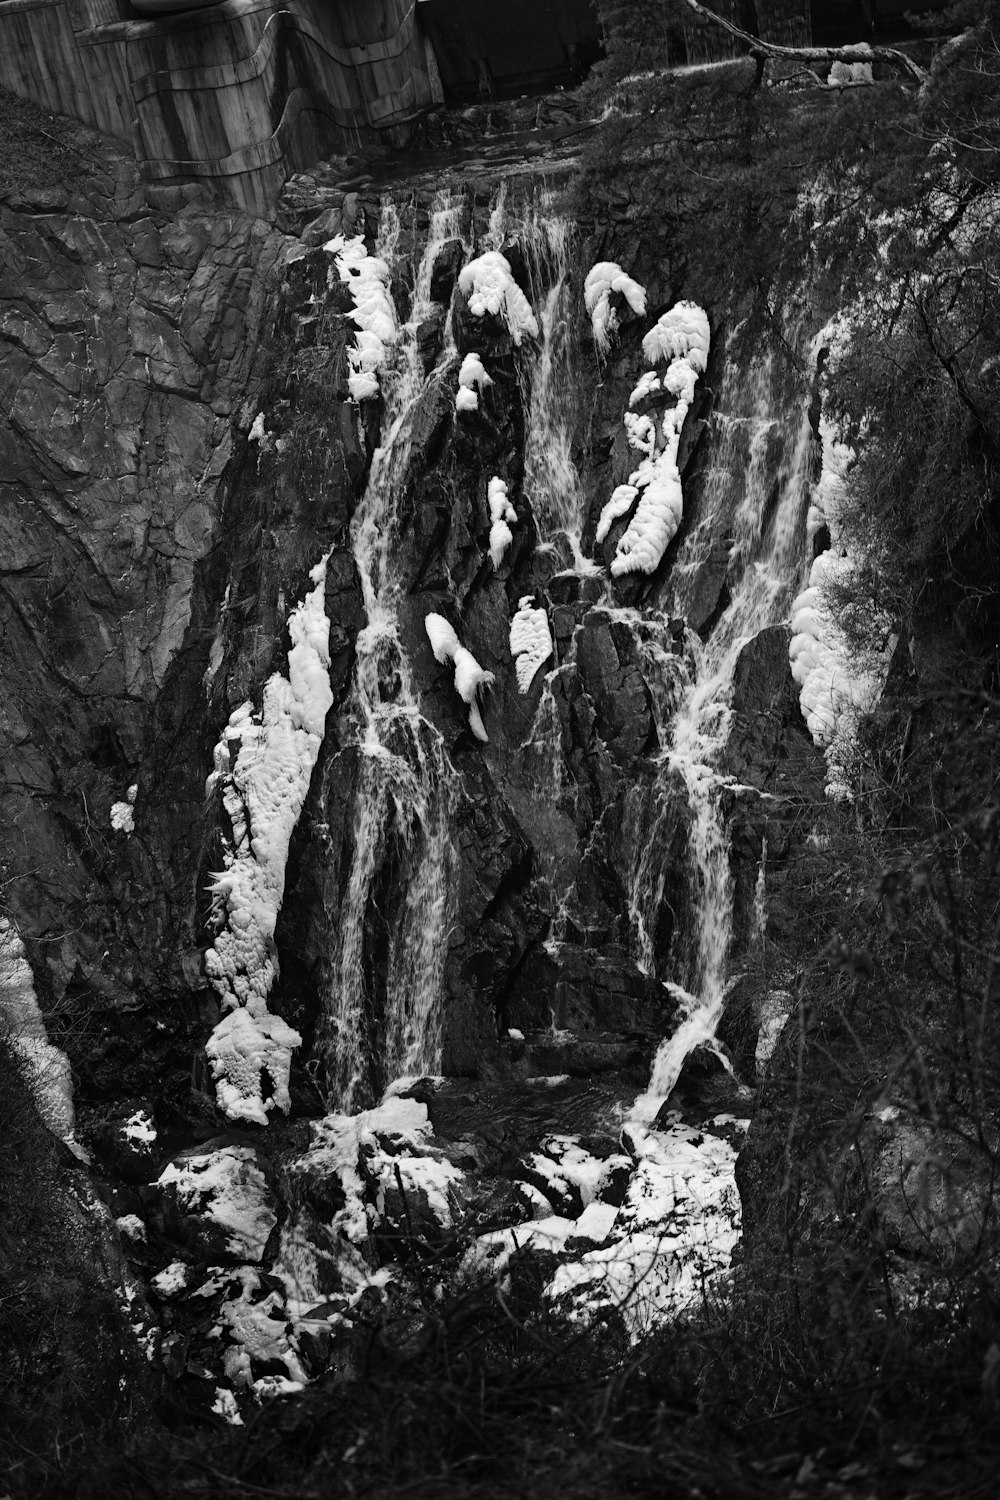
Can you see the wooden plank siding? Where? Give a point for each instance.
(238, 95)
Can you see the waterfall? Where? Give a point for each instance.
(405, 782)
(551, 481)
(766, 562)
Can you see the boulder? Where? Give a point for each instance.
(218, 1200)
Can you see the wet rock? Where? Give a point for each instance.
(327, 224)
(586, 990)
(430, 335)
(445, 272)
(607, 659)
(551, 1054)
(706, 1087)
(931, 1188)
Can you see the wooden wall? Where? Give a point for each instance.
(239, 94)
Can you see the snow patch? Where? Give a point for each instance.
(132, 1227)
(469, 675)
(488, 284)
(123, 813)
(172, 1280)
(225, 1406)
(530, 641)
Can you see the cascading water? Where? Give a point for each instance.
(551, 481)
(405, 780)
(766, 563)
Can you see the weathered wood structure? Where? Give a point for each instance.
(237, 94)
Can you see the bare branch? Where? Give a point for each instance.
(861, 53)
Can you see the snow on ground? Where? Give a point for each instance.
(488, 284)
(603, 279)
(264, 762)
(469, 675)
(681, 336)
(374, 314)
(530, 641)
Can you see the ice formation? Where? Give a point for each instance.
(836, 686)
(123, 813)
(469, 675)
(489, 285)
(647, 385)
(263, 792)
(471, 376)
(530, 641)
(374, 314)
(47, 1068)
(502, 517)
(603, 279)
(682, 337)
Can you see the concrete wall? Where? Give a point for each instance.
(239, 95)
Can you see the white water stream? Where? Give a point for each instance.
(405, 780)
(551, 481)
(767, 560)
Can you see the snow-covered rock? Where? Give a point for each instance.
(388, 1168)
(472, 379)
(469, 675)
(603, 279)
(488, 284)
(218, 1202)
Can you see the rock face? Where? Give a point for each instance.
(128, 337)
(505, 907)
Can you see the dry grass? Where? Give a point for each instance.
(37, 150)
